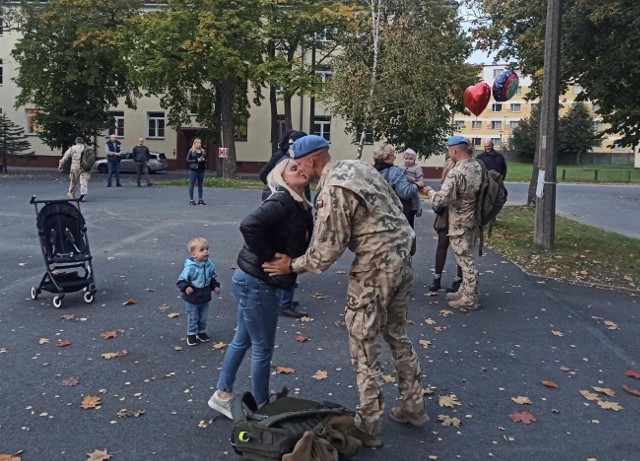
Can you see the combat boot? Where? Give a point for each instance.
(435, 286)
(464, 303)
(403, 416)
(453, 296)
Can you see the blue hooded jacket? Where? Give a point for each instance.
(201, 276)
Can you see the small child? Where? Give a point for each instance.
(196, 282)
(413, 173)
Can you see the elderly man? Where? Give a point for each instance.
(459, 192)
(356, 208)
(493, 160)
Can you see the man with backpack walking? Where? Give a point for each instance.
(459, 192)
(80, 170)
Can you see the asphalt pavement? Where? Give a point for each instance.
(153, 398)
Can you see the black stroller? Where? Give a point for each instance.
(65, 248)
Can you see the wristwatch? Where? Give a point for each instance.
(291, 266)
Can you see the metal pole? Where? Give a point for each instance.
(544, 232)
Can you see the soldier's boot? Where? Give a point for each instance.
(403, 416)
(464, 302)
(453, 296)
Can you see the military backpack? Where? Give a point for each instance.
(88, 158)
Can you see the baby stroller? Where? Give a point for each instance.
(65, 248)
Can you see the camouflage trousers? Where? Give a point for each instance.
(76, 175)
(377, 309)
(463, 247)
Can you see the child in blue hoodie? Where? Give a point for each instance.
(196, 282)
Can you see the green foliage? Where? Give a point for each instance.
(13, 141)
(420, 76)
(523, 136)
(599, 51)
(68, 67)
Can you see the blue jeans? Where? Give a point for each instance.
(197, 318)
(114, 169)
(195, 175)
(285, 297)
(257, 322)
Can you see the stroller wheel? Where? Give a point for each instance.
(88, 297)
(34, 293)
(57, 302)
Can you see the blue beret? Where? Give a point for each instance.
(307, 145)
(457, 139)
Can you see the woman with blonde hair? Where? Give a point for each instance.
(197, 160)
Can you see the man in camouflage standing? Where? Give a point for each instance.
(356, 208)
(459, 192)
(76, 173)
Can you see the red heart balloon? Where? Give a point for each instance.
(477, 97)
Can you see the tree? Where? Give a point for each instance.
(68, 67)
(599, 40)
(577, 134)
(198, 57)
(404, 83)
(524, 136)
(13, 141)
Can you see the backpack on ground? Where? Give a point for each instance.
(88, 158)
(491, 198)
(272, 431)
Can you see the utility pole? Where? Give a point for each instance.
(545, 224)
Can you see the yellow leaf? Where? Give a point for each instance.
(319, 296)
(448, 401)
(320, 375)
(604, 390)
(552, 384)
(43, 341)
(129, 302)
(220, 345)
(449, 421)
(111, 355)
(173, 315)
(446, 312)
(389, 379)
(557, 333)
(589, 395)
(98, 455)
(520, 400)
(425, 343)
(609, 405)
(90, 402)
(430, 321)
(284, 370)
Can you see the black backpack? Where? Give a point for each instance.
(268, 433)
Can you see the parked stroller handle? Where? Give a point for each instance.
(62, 200)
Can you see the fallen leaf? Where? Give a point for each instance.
(448, 400)
(305, 319)
(319, 296)
(589, 395)
(98, 455)
(520, 400)
(522, 417)
(301, 339)
(150, 290)
(284, 370)
(430, 321)
(427, 391)
(430, 294)
(173, 315)
(425, 343)
(177, 348)
(129, 302)
(111, 355)
(341, 272)
(604, 390)
(202, 424)
(71, 381)
(557, 333)
(320, 375)
(565, 369)
(389, 379)
(611, 325)
(449, 421)
(220, 345)
(609, 405)
(632, 374)
(446, 312)
(64, 343)
(90, 402)
(628, 278)
(630, 390)
(109, 334)
(11, 457)
(43, 341)
(552, 384)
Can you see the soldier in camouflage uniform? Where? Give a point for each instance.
(459, 192)
(356, 208)
(76, 173)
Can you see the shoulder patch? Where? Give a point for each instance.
(451, 174)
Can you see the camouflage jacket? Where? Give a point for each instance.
(356, 208)
(459, 192)
(75, 153)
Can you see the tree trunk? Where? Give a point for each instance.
(275, 132)
(227, 91)
(288, 124)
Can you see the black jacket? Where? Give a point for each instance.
(141, 154)
(279, 224)
(494, 161)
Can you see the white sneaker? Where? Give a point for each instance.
(220, 405)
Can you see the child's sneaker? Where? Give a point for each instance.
(220, 405)
(192, 340)
(203, 337)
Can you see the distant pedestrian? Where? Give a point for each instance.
(76, 173)
(141, 156)
(357, 209)
(197, 161)
(414, 175)
(113, 149)
(459, 192)
(196, 282)
(493, 160)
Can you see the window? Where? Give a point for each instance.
(1, 26)
(368, 137)
(324, 73)
(597, 144)
(496, 125)
(1, 67)
(513, 124)
(496, 107)
(325, 35)
(497, 72)
(155, 123)
(241, 129)
(322, 127)
(516, 107)
(476, 125)
(459, 125)
(497, 142)
(477, 141)
(534, 106)
(117, 125)
(282, 127)
(599, 126)
(519, 90)
(31, 126)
